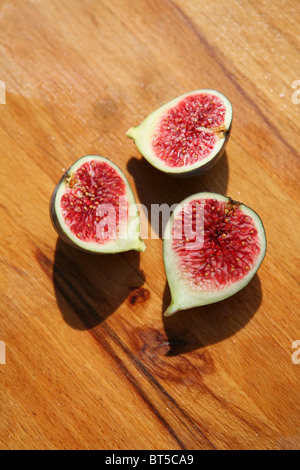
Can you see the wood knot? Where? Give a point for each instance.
(139, 295)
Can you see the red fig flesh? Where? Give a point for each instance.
(93, 208)
(213, 246)
(186, 136)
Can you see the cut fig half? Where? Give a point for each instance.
(186, 136)
(93, 208)
(213, 246)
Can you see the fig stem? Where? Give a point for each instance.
(140, 245)
(173, 308)
(131, 132)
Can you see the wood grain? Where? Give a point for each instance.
(86, 367)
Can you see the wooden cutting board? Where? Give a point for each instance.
(89, 365)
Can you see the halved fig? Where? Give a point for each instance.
(93, 208)
(186, 136)
(213, 246)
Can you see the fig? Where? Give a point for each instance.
(213, 246)
(93, 208)
(186, 136)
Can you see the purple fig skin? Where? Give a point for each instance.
(56, 225)
(54, 219)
